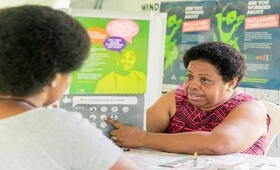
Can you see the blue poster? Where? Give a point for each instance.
(250, 26)
(188, 23)
(261, 44)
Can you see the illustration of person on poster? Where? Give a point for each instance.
(229, 22)
(172, 60)
(124, 78)
(173, 35)
(117, 63)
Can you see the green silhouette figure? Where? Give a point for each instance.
(173, 35)
(229, 22)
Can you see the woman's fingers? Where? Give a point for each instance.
(115, 123)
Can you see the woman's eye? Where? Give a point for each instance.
(204, 80)
(188, 77)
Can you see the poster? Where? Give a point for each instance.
(115, 38)
(117, 63)
(127, 109)
(188, 23)
(250, 26)
(261, 45)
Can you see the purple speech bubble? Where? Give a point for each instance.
(114, 43)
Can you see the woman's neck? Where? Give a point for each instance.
(11, 106)
(17, 99)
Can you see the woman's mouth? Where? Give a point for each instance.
(195, 97)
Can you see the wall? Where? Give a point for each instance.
(272, 95)
(52, 3)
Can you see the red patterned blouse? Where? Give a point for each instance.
(188, 118)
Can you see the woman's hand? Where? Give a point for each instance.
(126, 136)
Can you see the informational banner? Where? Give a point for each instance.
(127, 109)
(118, 58)
(121, 77)
(250, 26)
(261, 45)
(188, 23)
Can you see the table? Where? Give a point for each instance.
(151, 160)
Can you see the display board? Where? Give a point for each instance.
(258, 41)
(122, 75)
(251, 26)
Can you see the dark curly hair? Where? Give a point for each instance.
(228, 61)
(36, 42)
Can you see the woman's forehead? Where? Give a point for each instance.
(202, 67)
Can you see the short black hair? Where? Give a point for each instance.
(36, 42)
(227, 60)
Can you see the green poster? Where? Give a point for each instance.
(188, 24)
(117, 63)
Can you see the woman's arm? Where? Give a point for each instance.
(239, 130)
(160, 113)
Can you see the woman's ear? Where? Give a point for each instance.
(233, 83)
(53, 83)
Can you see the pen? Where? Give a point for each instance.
(195, 159)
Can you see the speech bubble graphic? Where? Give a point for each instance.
(97, 35)
(114, 43)
(124, 28)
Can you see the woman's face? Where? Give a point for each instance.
(204, 86)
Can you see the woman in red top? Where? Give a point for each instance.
(207, 114)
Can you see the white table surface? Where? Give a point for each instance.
(151, 160)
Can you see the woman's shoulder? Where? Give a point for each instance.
(240, 97)
(67, 126)
(53, 116)
(170, 94)
(243, 96)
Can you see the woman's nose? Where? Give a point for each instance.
(195, 84)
